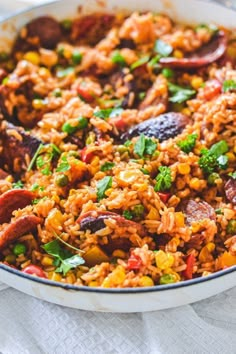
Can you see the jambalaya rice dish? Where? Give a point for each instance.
(118, 150)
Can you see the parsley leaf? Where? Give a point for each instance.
(229, 85)
(139, 62)
(163, 179)
(36, 187)
(162, 48)
(128, 214)
(214, 157)
(108, 113)
(107, 166)
(232, 174)
(18, 185)
(188, 144)
(64, 260)
(63, 165)
(179, 94)
(102, 186)
(144, 146)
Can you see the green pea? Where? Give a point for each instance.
(212, 178)
(57, 92)
(66, 24)
(82, 123)
(62, 180)
(168, 73)
(167, 279)
(117, 58)
(76, 57)
(19, 248)
(231, 227)
(138, 210)
(10, 259)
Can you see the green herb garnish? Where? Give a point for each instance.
(107, 166)
(214, 157)
(163, 179)
(128, 214)
(64, 260)
(36, 187)
(18, 185)
(80, 124)
(144, 146)
(162, 48)
(179, 94)
(117, 58)
(63, 165)
(188, 144)
(229, 85)
(232, 174)
(61, 73)
(139, 62)
(108, 113)
(102, 187)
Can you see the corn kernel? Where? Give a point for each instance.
(54, 219)
(183, 168)
(119, 254)
(56, 276)
(205, 254)
(153, 214)
(93, 283)
(231, 156)
(95, 161)
(179, 219)
(117, 277)
(48, 57)
(146, 281)
(70, 278)
(44, 73)
(178, 54)
(163, 260)
(196, 82)
(195, 227)
(32, 57)
(38, 104)
(47, 261)
(194, 183)
(206, 273)
(186, 111)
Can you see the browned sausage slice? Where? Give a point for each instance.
(206, 55)
(163, 127)
(94, 221)
(13, 200)
(18, 228)
(196, 211)
(46, 29)
(17, 144)
(230, 190)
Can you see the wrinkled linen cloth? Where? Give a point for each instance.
(32, 326)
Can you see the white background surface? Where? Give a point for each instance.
(28, 325)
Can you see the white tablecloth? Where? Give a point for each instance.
(28, 325)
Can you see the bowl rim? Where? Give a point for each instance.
(155, 288)
(83, 288)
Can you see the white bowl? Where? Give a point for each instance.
(130, 299)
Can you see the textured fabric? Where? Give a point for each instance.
(28, 325)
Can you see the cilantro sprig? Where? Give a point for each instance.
(229, 85)
(188, 144)
(107, 166)
(144, 146)
(108, 113)
(102, 187)
(214, 157)
(64, 260)
(43, 158)
(179, 94)
(163, 179)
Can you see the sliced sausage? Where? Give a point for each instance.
(195, 211)
(18, 228)
(3, 174)
(17, 144)
(206, 55)
(94, 221)
(163, 127)
(13, 200)
(46, 29)
(230, 190)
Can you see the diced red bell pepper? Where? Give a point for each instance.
(34, 270)
(134, 262)
(119, 123)
(164, 196)
(86, 156)
(85, 95)
(188, 272)
(212, 89)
